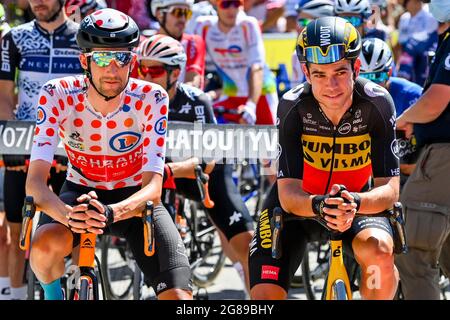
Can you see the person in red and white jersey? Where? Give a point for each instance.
(113, 129)
(235, 51)
(173, 16)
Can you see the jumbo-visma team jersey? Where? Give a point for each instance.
(233, 53)
(104, 152)
(361, 146)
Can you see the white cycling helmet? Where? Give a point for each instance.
(158, 4)
(376, 56)
(164, 49)
(316, 8)
(361, 7)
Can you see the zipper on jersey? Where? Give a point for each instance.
(50, 67)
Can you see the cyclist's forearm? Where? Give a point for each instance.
(255, 83)
(135, 204)
(46, 200)
(381, 197)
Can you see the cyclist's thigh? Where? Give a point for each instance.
(229, 214)
(14, 191)
(169, 267)
(264, 268)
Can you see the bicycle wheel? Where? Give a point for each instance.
(34, 289)
(203, 245)
(314, 269)
(338, 290)
(117, 268)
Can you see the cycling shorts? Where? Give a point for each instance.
(169, 267)
(229, 214)
(294, 237)
(14, 191)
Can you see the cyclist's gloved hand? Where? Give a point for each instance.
(248, 112)
(355, 196)
(105, 211)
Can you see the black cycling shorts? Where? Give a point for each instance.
(294, 237)
(14, 191)
(169, 267)
(229, 214)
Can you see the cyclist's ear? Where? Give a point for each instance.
(83, 61)
(306, 72)
(356, 68)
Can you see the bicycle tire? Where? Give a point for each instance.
(339, 291)
(119, 270)
(137, 284)
(84, 293)
(204, 243)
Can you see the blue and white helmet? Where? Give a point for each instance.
(361, 7)
(316, 8)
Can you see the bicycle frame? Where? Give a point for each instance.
(337, 273)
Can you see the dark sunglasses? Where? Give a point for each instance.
(104, 58)
(178, 12)
(225, 4)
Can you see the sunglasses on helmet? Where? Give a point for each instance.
(179, 12)
(225, 4)
(377, 77)
(334, 53)
(104, 58)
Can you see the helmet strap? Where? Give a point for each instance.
(168, 84)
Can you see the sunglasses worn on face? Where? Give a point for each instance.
(303, 22)
(333, 54)
(178, 12)
(377, 77)
(356, 21)
(153, 71)
(225, 4)
(104, 58)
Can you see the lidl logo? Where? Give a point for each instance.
(161, 126)
(41, 116)
(124, 141)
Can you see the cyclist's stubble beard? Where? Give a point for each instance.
(105, 88)
(46, 13)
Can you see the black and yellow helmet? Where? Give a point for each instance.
(328, 40)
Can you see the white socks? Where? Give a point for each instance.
(5, 288)
(19, 293)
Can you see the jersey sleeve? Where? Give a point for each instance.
(9, 58)
(155, 131)
(252, 33)
(196, 52)
(48, 117)
(290, 163)
(382, 133)
(442, 75)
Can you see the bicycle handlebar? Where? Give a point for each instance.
(149, 229)
(28, 211)
(202, 183)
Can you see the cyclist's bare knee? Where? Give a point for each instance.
(267, 291)
(374, 247)
(175, 294)
(51, 240)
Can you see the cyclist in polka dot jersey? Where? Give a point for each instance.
(113, 129)
(105, 152)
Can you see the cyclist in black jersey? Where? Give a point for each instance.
(162, 58)
(335, 129)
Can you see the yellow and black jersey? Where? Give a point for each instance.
(361, 146)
